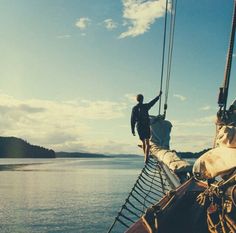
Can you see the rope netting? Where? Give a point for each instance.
(151, 185)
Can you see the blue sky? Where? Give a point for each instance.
(70, 70)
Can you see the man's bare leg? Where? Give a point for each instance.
(147, 149)
(144, 146)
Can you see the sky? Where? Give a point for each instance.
(70, 71)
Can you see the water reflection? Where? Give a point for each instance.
(64, 195)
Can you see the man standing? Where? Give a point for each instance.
(140, 118)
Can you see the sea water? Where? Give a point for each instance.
(64, 195)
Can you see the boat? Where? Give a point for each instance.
(172, 196)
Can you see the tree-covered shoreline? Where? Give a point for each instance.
(12, 147)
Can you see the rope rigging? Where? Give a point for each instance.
(150, 186)
(163, 53)
(170, 51)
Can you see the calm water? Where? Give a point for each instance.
(64, 195)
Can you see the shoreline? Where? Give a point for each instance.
(14, 167)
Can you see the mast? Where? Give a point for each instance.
(223, 96)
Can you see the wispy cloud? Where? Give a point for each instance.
(194, 134)
(130, 97)
(56, 124)
(205, 108)
(82, 23)
(139, 15)
(191, 142)
(198, 122)
(86, 125)
(180, 97)
(67, 36)
(110, 24)
(97, 146)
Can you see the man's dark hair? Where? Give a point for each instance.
(139, 98)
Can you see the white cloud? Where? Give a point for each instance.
(198, 122)
(99, 146)
(193, 134)
(110, 24)
(206, 120)
(82, 23)
(67, 36)
(131, 97)
(191, 142)
(59, 125)
(140, 14)
(180, 97)
(91, 126)
(205, 108)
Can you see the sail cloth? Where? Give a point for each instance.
(219, 160)
(160, 132)
(226, 137)
(232, 113)
(160, 145)
(215, 162)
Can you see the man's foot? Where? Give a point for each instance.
(141, 146)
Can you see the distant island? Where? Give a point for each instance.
(184, 155)
(192, 155)
(92, 155)
(79, 155)
(12, 147)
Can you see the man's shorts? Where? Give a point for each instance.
(144, 132)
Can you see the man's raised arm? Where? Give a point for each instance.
(152, 102)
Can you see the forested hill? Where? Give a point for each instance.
(79, 155)
(12, 147)
(195, 155)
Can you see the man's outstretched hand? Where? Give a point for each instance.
(133, 133)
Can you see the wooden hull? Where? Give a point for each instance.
(140, 226)
(177, 211)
